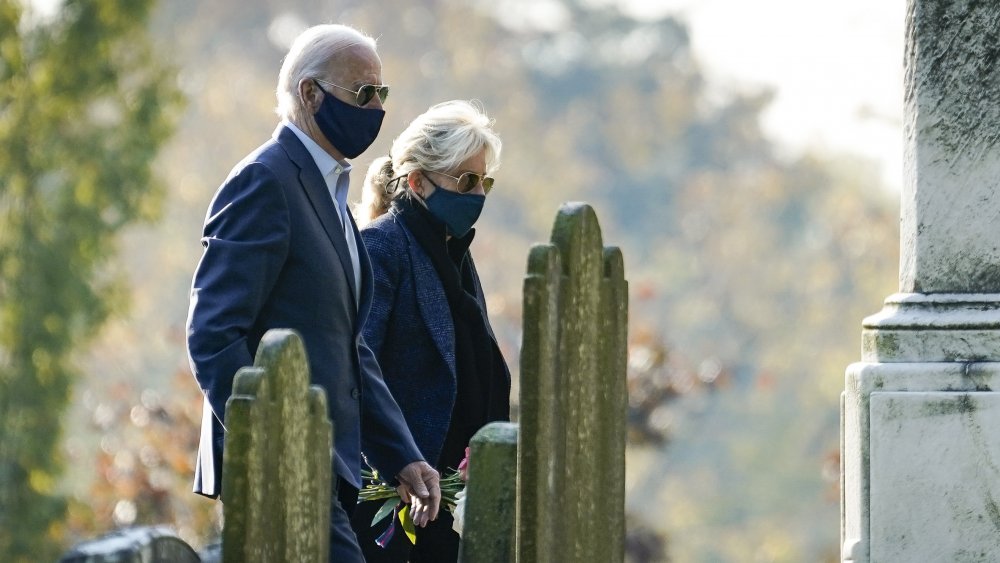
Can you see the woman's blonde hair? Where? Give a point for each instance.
(438, 140)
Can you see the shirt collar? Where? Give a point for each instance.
(326, 163)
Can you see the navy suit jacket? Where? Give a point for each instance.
(411, 331)
(275, 256)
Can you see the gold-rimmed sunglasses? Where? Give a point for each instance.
(466, 182)
(364, 94)
(469, 180)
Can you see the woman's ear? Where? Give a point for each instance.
(415, 180)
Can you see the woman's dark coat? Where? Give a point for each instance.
(411, 331)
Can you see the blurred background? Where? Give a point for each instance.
(746, 158)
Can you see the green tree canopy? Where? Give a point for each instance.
(84, 106)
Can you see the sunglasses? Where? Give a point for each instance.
(469, 180)
(363, 94)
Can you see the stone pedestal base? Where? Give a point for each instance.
(920, 449)
(942, 327)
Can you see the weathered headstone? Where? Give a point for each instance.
(154, 544)
(542, 446)
(278, 453)
(571, 441)
(921, 473)
(489, 518)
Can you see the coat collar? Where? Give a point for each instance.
(431, 300)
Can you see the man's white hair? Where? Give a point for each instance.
(308, 57)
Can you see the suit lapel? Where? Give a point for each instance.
(322, 203)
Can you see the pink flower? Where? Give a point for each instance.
(463, 468)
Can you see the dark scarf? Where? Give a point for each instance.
(483, 393)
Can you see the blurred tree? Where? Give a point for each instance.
(657, 379)
(142, 471)
(644, 545)
(84, 105)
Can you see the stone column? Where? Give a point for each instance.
(921, 468)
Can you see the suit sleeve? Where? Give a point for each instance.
(246, 239)
(385, 437)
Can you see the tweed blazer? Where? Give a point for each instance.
(411, 332)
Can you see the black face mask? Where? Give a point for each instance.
(349, 129)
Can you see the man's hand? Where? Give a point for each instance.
(419, 485)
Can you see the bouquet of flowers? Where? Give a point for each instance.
(452, 497)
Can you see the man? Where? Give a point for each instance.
(282, 251)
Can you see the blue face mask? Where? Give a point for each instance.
(348, 128)
(459, 212)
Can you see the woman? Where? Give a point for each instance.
(428, 324)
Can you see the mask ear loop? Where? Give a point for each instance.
(392, 186)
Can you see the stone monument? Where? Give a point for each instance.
(920, 465)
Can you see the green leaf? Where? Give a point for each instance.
(386, 510)
(407, 522)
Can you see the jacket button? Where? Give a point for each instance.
(355, 393)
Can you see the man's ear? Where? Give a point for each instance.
(310, 94)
